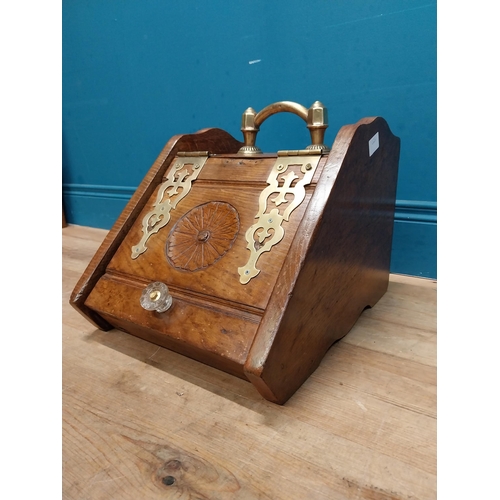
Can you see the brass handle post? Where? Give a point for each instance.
(316, 118)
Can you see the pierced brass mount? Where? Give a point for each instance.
(181, 176)
(316, 118)
(268, 230)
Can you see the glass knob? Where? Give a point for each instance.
(155, 297)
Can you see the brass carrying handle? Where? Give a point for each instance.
(316, 118)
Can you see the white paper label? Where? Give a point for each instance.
(373, 144)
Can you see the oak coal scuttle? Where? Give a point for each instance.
(252, 263)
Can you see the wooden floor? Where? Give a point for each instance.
(141, 422)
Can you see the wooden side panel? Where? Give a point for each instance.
(338, 263)
(213, 140)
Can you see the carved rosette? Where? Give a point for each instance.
(202, 236)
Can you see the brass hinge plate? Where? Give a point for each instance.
(287, 169)
(184, 171)
(192, 154)
(300, 152)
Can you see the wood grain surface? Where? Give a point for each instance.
(143, 422)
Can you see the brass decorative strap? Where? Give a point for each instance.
(259, 236)
(181, 176)
(316, 118)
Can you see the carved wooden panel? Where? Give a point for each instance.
(202, 236)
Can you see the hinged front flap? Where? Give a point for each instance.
(204, 243)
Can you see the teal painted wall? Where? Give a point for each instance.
(137, 72)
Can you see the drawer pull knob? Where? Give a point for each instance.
(155, 297)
